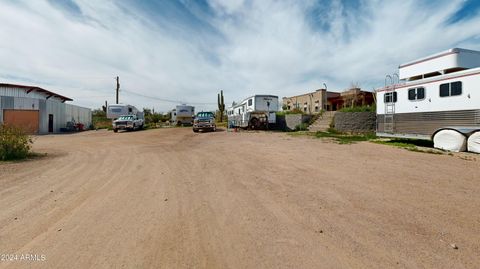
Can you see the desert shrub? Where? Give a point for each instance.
(15, 144)
(301, 127)
(100, 120)
(344, 138)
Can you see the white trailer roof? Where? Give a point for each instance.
(452, 59)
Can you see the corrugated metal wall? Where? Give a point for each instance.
(426, 123)
(6, 102)
(79, 114)
(43, 117)
(13, 98)
(20, 92)
(24, 103)
(58, 111)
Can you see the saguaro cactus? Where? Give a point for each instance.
(221, 105)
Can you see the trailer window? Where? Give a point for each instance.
(420, 93)
(444, 90)
(412, 94)
(388, 97)
(416, 94)
(451, 89)
(456, 88)
(250, 102)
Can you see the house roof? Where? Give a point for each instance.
(37, 89)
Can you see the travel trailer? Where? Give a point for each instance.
(437, 98)
(116, 110)
(254, 112)
(183, 115)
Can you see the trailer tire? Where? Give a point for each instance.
(450, 140)
(253, 124)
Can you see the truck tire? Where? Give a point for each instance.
(115, 130)
(195, 130)
(214, 129)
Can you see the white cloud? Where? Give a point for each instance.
(242, 47)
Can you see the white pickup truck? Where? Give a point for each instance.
(127, 122)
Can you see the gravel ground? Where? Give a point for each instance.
(169, 198)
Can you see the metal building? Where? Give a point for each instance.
(39, 111)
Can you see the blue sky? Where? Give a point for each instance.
(167, 52)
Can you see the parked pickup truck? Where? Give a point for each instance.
(127, 122)
(204, 121)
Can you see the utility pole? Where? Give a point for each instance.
(118, 89)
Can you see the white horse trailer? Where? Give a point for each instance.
(253, 112)
(116, 110)
(437, 98)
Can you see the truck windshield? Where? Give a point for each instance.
(125, 117)
(205, 114)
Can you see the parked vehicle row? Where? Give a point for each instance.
(434, 98)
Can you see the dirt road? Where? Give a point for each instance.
(169, 198)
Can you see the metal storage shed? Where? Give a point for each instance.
(38, 110)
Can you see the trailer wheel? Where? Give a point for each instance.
(254, 124)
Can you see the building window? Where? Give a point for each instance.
(305, 109)
(388, 97)
(250, 102)
(288, 107)
(451, 89)
(416, 94)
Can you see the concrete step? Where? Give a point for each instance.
(323, 122)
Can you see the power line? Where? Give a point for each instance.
(167, 100)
